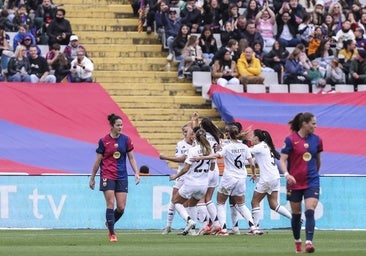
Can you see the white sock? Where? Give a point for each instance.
(234, 215)
(283, 211)
(202, 214)
(171, 212)
(212, 211)
(255, 213)
(221, 214)
(182, 211)
(245, 212)
(192, 211)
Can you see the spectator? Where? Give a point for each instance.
(21, 35)
(306, 29)
(252, 10)
(358, 69)
(232, 15)
(344, 34)
(286, 29)
(144, 170)
(5, 51)
(58, 63)
(225, 71)
(335, 10)
(318, 14)
(207, 42)
(212, 15)
(297, 11)
(360, 39)
(232, 46)
(44, 14)
(39, 70)
(21, 17)
(249, 68)
(295, 73)
(276, 58)
(240, 28)
(27, 42)
(265, 23)
(81, 68)
(329, 27)
(192, 16)
(324, 54)
(227, 33)
(347, 54)
(18, 66)
(6, 22)
(314, 42)
(59, 30)
(251, 35)
(178, 44)
(171, 23)
(335, 74)
(193, 57)
(72, 48)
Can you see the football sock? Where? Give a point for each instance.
(255, 213)
(171, 212)
(192, 212)
(181, 210)
(309, 224)
(212, 211)
(296, 225)
(202, 214)
(117, 214)
(109, 215)
(234, 215)
(283, 211)
(221, 214)
(245, 212)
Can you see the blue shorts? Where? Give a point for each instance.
(297, 195)
(115, 185)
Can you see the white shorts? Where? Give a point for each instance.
(196, 191)
(213, 177)
(232, 186)
(178, 183)
(267, 187)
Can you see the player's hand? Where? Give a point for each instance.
(92, 183)
(291, 180)
(161, 156)
(172, 177)
(137, 179)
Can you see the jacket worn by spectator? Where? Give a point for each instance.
(83, 69)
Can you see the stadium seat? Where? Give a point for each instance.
(235, 88)
(201, 78)
(278, 88)
(270, 78)
(361, 87)
(256, 88)
(344, 88)
(299, 88)
(327, 88)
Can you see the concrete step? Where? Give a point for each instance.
(106, 22)
(93, 2)
(131, 26)
(162, 114)
(99, 11)
(143, 77)
(132, 64)
(123, 54)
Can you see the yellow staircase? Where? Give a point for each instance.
(131, 66)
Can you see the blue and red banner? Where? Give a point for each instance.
(55, 128)
(341, 121)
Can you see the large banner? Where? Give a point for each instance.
(341, 121)
(67, 202)
(55, 128)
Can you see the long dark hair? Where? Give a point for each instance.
(296, 122)
(266, 137)
(209, 127)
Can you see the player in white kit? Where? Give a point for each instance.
(195, 179)
(268, 183)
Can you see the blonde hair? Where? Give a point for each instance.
(18, 51)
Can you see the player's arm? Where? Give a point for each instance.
(176, 159)
(181, 173)
(96, 165)
(283, 165)
(133, 164)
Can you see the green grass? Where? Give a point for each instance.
(151, 242)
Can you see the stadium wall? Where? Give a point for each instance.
(67, 202)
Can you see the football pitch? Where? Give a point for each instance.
(151, 242)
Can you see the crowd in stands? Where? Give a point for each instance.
(37, 44)
(304, 41)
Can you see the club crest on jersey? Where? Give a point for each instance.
(116, 155)
(105, 182)
(306, 156)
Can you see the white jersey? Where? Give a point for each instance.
(235, 154)
(181, 149)
(198, 172)
(266, 162)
